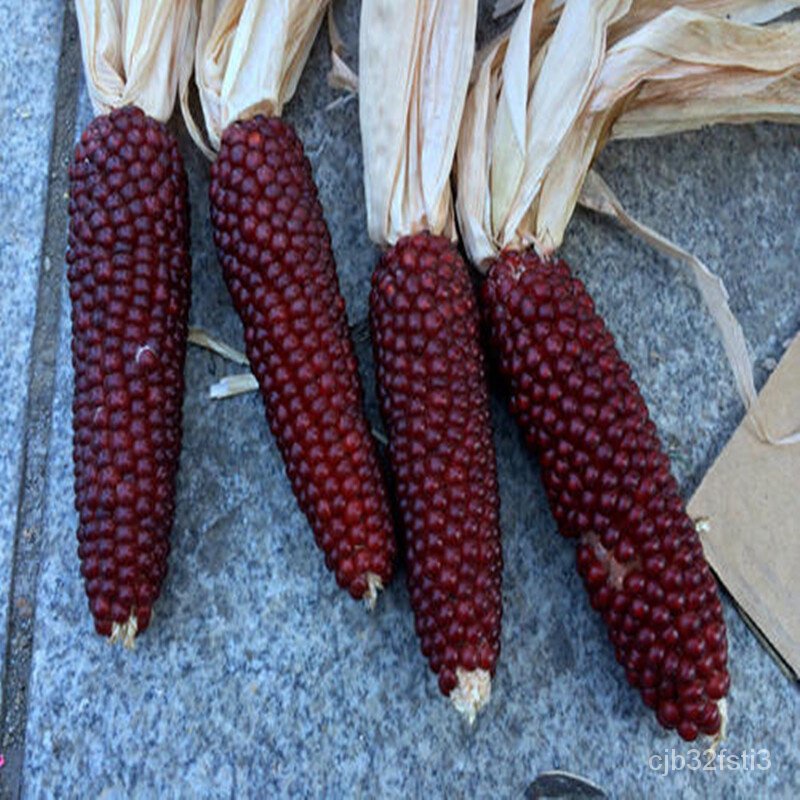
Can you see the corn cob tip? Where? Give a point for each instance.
(472, 692)
(124, 633)
(722, 706)
(374, 587)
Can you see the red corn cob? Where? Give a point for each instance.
(433, 397)
(276, 254)
(129, 273)
(609, 485)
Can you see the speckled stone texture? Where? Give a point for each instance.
(27, 97)
(258, 677)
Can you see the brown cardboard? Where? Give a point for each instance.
(748, 513)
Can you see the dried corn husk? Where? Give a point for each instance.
(415, 60)
(674, 49)
(523, 104)
(539, 110)
(135, 52)
(248, 60)
(536, 116)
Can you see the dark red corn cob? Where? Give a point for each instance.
(276, 255)
(609, 484)
(434, 401)
(129, 275)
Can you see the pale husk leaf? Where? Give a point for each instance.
(248, 59)
(510, 137)
(415, 60)
(135, 52)
(682, 43)
(473, 162)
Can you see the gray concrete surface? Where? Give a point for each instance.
(259, 678)
(28, 65)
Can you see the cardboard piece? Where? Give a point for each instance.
(748, 513)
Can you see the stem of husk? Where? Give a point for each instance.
(126, 632)
(472, 692)
(374, 588)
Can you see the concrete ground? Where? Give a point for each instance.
(258, 677)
